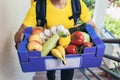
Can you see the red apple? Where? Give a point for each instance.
(37, 30)
(34, 45)
(35, 37)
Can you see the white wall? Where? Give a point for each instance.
(12, 13)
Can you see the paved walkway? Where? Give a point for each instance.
(114, 12)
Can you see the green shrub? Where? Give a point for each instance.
(89, 3)
(117, 3)
(113, 25)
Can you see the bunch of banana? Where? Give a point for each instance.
(59, 52)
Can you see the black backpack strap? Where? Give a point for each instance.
(76, 10)
(41, 12)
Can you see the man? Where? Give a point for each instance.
(57, 12)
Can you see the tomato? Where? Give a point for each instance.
(71, 49)
(87, 44)
(77, 38)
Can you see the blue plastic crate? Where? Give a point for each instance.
(31, 61)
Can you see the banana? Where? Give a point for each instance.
(55, 52)
(62, 51)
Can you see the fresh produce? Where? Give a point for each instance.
(62, 51)
(53, 30)
(49, 44)
(35, 37)
(84, 45)
(34, 45)
(86, 37)
(64, 40)
(58, 40)
(60, 28)
(55, 52)
(43, 37)
(37, 30)
(35, 41)
(71, 49)
(87, 44)
(47, 33)
(77, 38)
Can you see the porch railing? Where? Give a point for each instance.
(112, 75)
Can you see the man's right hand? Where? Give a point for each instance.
(19, 36)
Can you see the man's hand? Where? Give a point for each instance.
(17, 45)
(94, 26)
(19, 36)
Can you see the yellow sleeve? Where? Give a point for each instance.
(85, 13)
(30, 19)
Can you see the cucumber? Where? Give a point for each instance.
(50, 44)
